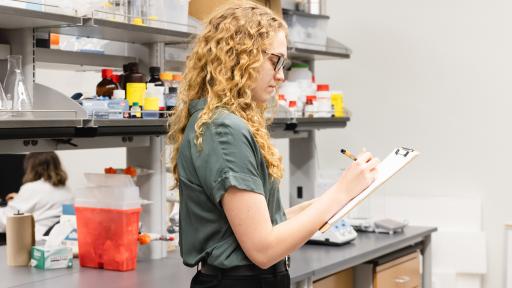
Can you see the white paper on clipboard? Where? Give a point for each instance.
(397, 159)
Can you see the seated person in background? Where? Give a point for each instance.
(43, 193)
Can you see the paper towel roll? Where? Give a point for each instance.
(20, 238)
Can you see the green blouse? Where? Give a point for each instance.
(229, 157)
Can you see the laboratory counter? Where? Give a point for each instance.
(309, 263)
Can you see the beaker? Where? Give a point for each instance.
(15, 89)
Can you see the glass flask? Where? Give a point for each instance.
(15, 89)
(4, 105)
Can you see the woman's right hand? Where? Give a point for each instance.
(359, 175)
(10, 196)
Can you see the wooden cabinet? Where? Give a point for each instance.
(343, 279)
(403, 272)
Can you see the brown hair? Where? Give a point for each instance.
(44, 165)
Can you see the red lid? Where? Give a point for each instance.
(281, 97)
(292, 104)
(106, 73)
(115, 78)
(311, 97)
(322, 87)
(309, 101)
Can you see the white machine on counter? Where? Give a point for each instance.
(339, 234)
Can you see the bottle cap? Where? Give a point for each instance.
(166, 76)
(133, 67)
(135, 104)
(322, 87)
(300, 65)
(281, 97)
(311, 97)
(115, 78)
(106, 73)
(154, 70)
(292, 104)
(176, 77)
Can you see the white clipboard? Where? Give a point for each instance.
(395, 161)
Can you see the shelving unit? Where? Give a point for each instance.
(332, 50)
(123, 32)
(16, 18)
(145, 138)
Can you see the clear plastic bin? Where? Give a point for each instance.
(306, 28)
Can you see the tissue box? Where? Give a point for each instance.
(51, 258)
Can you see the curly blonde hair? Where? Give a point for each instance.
(223, 67)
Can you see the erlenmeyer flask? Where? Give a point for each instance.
(4, 106)
(15, 89)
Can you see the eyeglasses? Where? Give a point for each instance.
(281, 63)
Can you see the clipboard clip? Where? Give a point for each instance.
(403, 151)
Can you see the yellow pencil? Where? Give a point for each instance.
(348, 154)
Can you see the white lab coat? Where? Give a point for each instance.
(41, 199)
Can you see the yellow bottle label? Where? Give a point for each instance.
(135, 93)
(151, 103)
(337, 103)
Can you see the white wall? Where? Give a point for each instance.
(431, 75)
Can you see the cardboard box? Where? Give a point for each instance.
(201, 9)
(44, 258)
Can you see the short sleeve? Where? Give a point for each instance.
(229, 157)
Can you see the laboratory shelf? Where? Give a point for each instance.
(56, 56)
(14, 18)
(125, 127)
(47, 128)
(311, 52)
(304, 124)
(121, 31)
(37, 128)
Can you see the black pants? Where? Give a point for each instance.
(270, 280)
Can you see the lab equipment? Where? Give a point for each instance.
(15, 89)
(339, 234)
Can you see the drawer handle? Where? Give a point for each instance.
(402, 279)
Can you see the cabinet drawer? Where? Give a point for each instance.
(342, 279)
(403, 272)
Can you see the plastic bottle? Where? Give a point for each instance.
(309, 107)
(119, 105)
(154, 76)
(135, 110)
(135, 85)
(157, 92)
(106, 86)
(116, 79)
(122, 80)
(176, 79)
(324, 100)
(292, 106)
(171, 98)
(337, 103)
(299, 71)
(151, 108)
(166, 77)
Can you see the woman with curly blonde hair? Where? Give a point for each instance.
(232, 223)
